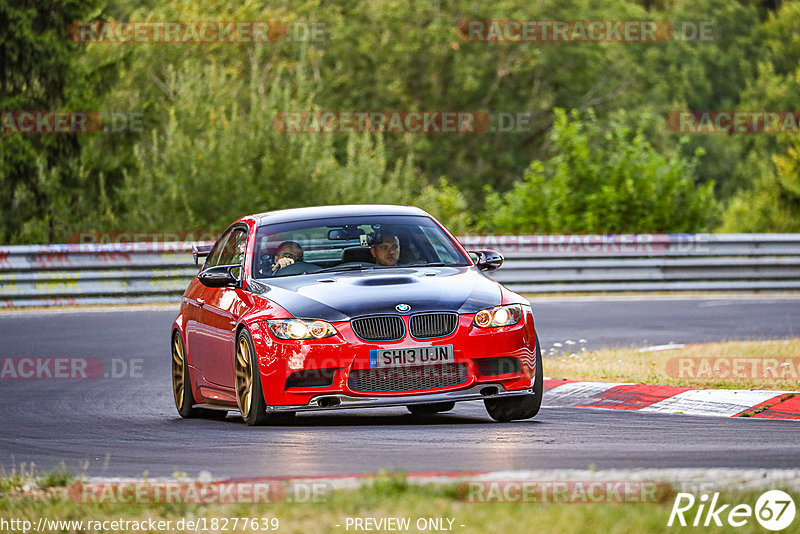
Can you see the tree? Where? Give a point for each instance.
(603, 179)
(400, 55)
(40, 176)
(772, 203)
(768, 197)
(217, 159)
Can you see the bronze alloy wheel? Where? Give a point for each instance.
(244, 376)
(178, 365)
(249, 393)
(182, 384)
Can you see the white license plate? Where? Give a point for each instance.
(408, 356)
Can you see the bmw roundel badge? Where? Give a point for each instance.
(402, 308)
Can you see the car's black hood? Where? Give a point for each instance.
(340, 296)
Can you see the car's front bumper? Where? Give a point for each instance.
(345, 354)
(339, 401)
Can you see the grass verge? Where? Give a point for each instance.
(772, 365)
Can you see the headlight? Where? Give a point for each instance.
(300, 329)
(498, 316)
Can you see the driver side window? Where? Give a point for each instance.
(233, 251)
(229, 250)
(216, 253)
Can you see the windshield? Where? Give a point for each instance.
(352, 243)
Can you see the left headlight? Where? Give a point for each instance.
(498, 316)
(300, 328)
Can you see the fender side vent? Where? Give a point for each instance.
(311, 378)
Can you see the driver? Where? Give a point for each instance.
(288, 253)
(385, 248)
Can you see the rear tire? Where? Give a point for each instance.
(430, 409)
(182, 385)
(519, 407)
(249, 393)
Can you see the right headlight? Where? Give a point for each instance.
(498, 316)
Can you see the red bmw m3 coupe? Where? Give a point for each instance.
(360, 306)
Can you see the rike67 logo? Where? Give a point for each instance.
(774, 510)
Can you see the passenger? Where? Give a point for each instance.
(288, 253)
(385, 248)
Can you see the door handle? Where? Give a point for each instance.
(200, 302)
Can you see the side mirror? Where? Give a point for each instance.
(487, 260)
(220, 276)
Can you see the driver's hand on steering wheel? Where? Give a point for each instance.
(282, 262)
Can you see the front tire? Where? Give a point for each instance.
(249, 393)
(519, 407)
(182, 385)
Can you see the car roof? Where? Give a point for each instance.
(325, 212)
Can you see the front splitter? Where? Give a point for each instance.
(341, 402)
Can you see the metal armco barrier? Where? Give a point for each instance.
(55, 275)
(646, 262)
(64, 275)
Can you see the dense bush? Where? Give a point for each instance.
(603, 178)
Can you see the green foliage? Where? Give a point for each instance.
(772, 204)
(394, 54)
(217, 160)
(767, 196)
(445, 202)
(603, 178)
(39, 174)
(59, 476)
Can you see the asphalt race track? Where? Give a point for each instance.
(128, 425)
(624, 322)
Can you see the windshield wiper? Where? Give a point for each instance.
(343, 268)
